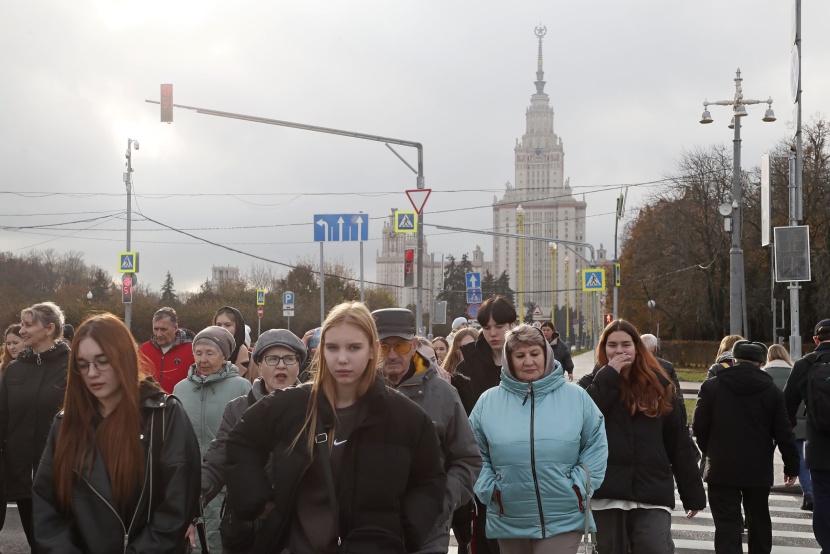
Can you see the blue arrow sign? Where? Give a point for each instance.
(341, 227)
(473, 280)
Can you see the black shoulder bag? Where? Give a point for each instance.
(368, 539)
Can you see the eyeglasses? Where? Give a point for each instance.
(288, 359)
(402, 348)
(82, 366)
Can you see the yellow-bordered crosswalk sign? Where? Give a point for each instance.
(593, 280)
(406, 221)
(128, 262)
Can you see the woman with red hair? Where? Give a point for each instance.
(648, 444)
(120, 472)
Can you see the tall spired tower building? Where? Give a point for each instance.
(550, 212)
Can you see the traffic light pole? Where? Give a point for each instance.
(128, 182)
(419, 275)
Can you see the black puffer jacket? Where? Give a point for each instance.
(391, 474)
(31, 394)
(644, 452)
(739, 418)
(817, 449)
(562, 354)
(479, 368)
(156, 521)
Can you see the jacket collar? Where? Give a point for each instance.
(227, 371)
(56, 351)
(375, 400)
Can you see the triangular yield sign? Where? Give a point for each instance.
(418, 198)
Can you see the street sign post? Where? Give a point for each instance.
(288, 307)
(472, 310)
(472, 281)
(406, 221)
(260, 311)
(341, 227)
(128, 262)
(418, 198)
(593, 280)
(537, 314)
(260, 297)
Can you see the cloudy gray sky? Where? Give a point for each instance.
(626, 80)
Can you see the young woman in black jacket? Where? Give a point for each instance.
(649, 447)
(383, 450)
(120, 472)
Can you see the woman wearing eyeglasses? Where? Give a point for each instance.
(120, 472)
(211, 383)
(279, 354)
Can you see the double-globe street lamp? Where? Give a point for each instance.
(737, 293)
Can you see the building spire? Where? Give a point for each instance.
(540, 33)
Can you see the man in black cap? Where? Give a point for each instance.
(412, 374)
(739, 414)
(817, 449)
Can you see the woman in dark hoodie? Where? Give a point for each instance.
(231, 319)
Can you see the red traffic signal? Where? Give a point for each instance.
(167, 103)
(127, 289)
(408, 267)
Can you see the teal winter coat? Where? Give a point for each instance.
(532, 438)
(204, 399)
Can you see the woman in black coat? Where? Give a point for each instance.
(31, 393)
(120, 472)
(649, 448)
(383, 450)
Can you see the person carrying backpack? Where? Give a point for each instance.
(810, 381)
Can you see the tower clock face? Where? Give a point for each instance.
(538, 151)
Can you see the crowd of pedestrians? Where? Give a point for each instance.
(362, 436)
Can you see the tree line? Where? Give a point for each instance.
(676, 251)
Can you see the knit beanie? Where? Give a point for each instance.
(220, 337)
(279, 337)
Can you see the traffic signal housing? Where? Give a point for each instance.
(167, 103)
(409, 267)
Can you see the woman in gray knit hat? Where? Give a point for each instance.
(212, 381)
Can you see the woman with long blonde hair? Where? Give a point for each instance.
(382, 451)
(649, 448)
(121, 467)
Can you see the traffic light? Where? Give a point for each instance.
(167, 103)
(609, 318)
(409, 267)
(127, 289)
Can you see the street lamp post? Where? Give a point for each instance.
(521, 220)
(577, 301)
(737, 308)
(552, 246)
(651, 305)
(567, 303)
(128, 182)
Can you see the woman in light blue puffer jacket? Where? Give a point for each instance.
(534, 430)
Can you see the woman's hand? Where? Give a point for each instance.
(620, 361)
(191, 535)
(691, 513)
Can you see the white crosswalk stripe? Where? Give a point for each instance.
(792, 529)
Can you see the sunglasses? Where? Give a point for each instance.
(402, 348)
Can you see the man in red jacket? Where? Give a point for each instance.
(169, 349)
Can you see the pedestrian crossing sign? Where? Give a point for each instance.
(406, 221)
(128, 262)
(593, 280)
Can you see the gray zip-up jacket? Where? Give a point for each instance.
(461, 457)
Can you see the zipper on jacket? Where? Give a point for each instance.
(533, 457)
(114, 511)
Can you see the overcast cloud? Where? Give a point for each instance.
(626, 80)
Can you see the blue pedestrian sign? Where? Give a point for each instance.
(341, 227)
(593, 280)
(473, 280)
(406, 221)
(288, 300)
(128, 262)
(474, 297)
